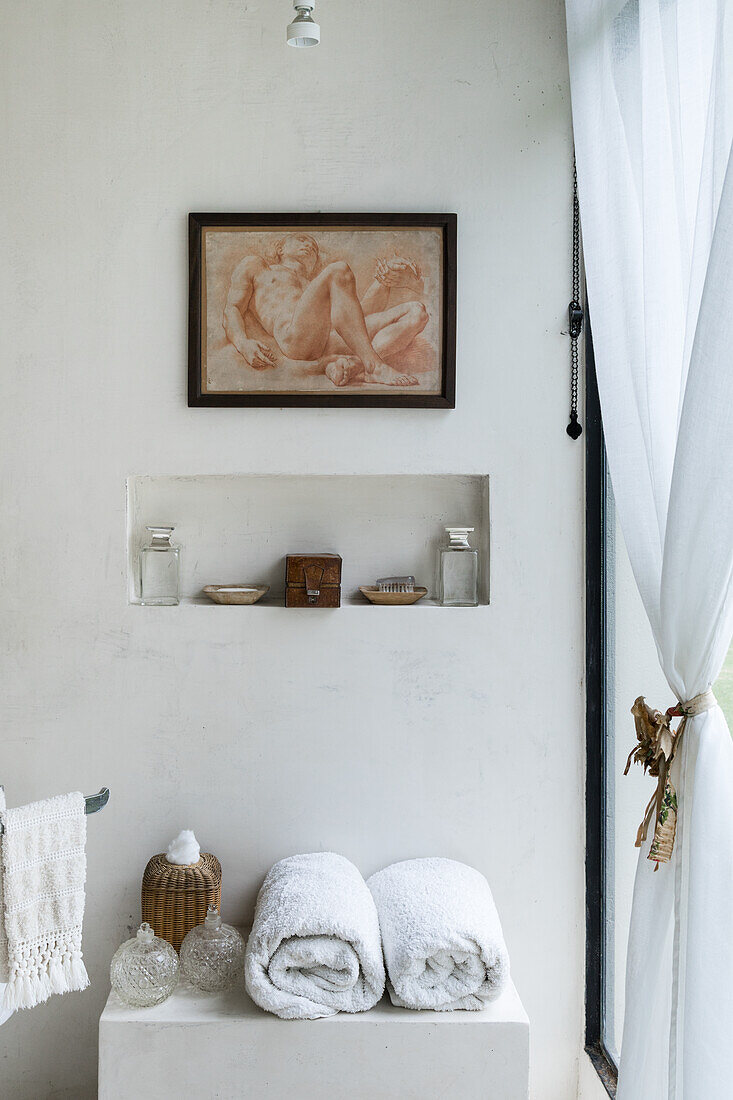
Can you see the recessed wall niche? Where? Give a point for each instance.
(237, 528)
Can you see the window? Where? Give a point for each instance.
(622, 663)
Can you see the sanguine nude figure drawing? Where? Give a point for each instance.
(315, 315)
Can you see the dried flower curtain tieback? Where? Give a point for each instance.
(656, 749)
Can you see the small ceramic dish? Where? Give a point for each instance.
(236, 593)
(394, 599)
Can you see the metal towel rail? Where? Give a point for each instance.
(93, 803)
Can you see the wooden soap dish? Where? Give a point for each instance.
(393, 599)
(236, 593)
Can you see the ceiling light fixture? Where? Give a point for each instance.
(303, 31)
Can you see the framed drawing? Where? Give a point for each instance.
(322, 309)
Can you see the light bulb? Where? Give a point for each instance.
(303, 31)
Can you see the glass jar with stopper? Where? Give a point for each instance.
(212, 954)
(159, 569)
(458, 570)
(144, 970)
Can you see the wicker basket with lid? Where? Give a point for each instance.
(175, 897)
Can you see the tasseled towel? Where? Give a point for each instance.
(43, 872)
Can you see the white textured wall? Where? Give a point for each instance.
(271, 735)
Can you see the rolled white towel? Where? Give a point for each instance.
(314, 949)
(442, 939)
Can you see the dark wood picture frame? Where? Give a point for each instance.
(397, 397)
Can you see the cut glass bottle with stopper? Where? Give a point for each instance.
(144, 970)
(458, 570)
(212, 954)
(159, 569)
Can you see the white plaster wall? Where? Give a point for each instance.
(370, 736)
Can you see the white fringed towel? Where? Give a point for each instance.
(43, 870)
(314, 949)
(443, 944)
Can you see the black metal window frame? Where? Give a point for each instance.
(596, 636)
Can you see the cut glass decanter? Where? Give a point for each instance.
(212, 954)
(144, 970)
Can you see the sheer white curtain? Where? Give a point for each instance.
(652, 135)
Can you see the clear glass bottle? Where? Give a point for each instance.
(212, 954)
(159, 562)
(144, 970)
(458, 570)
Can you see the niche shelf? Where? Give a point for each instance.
(237, 528)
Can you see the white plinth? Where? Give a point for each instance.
(224, 1047)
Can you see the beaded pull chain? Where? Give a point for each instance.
(575, 317)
